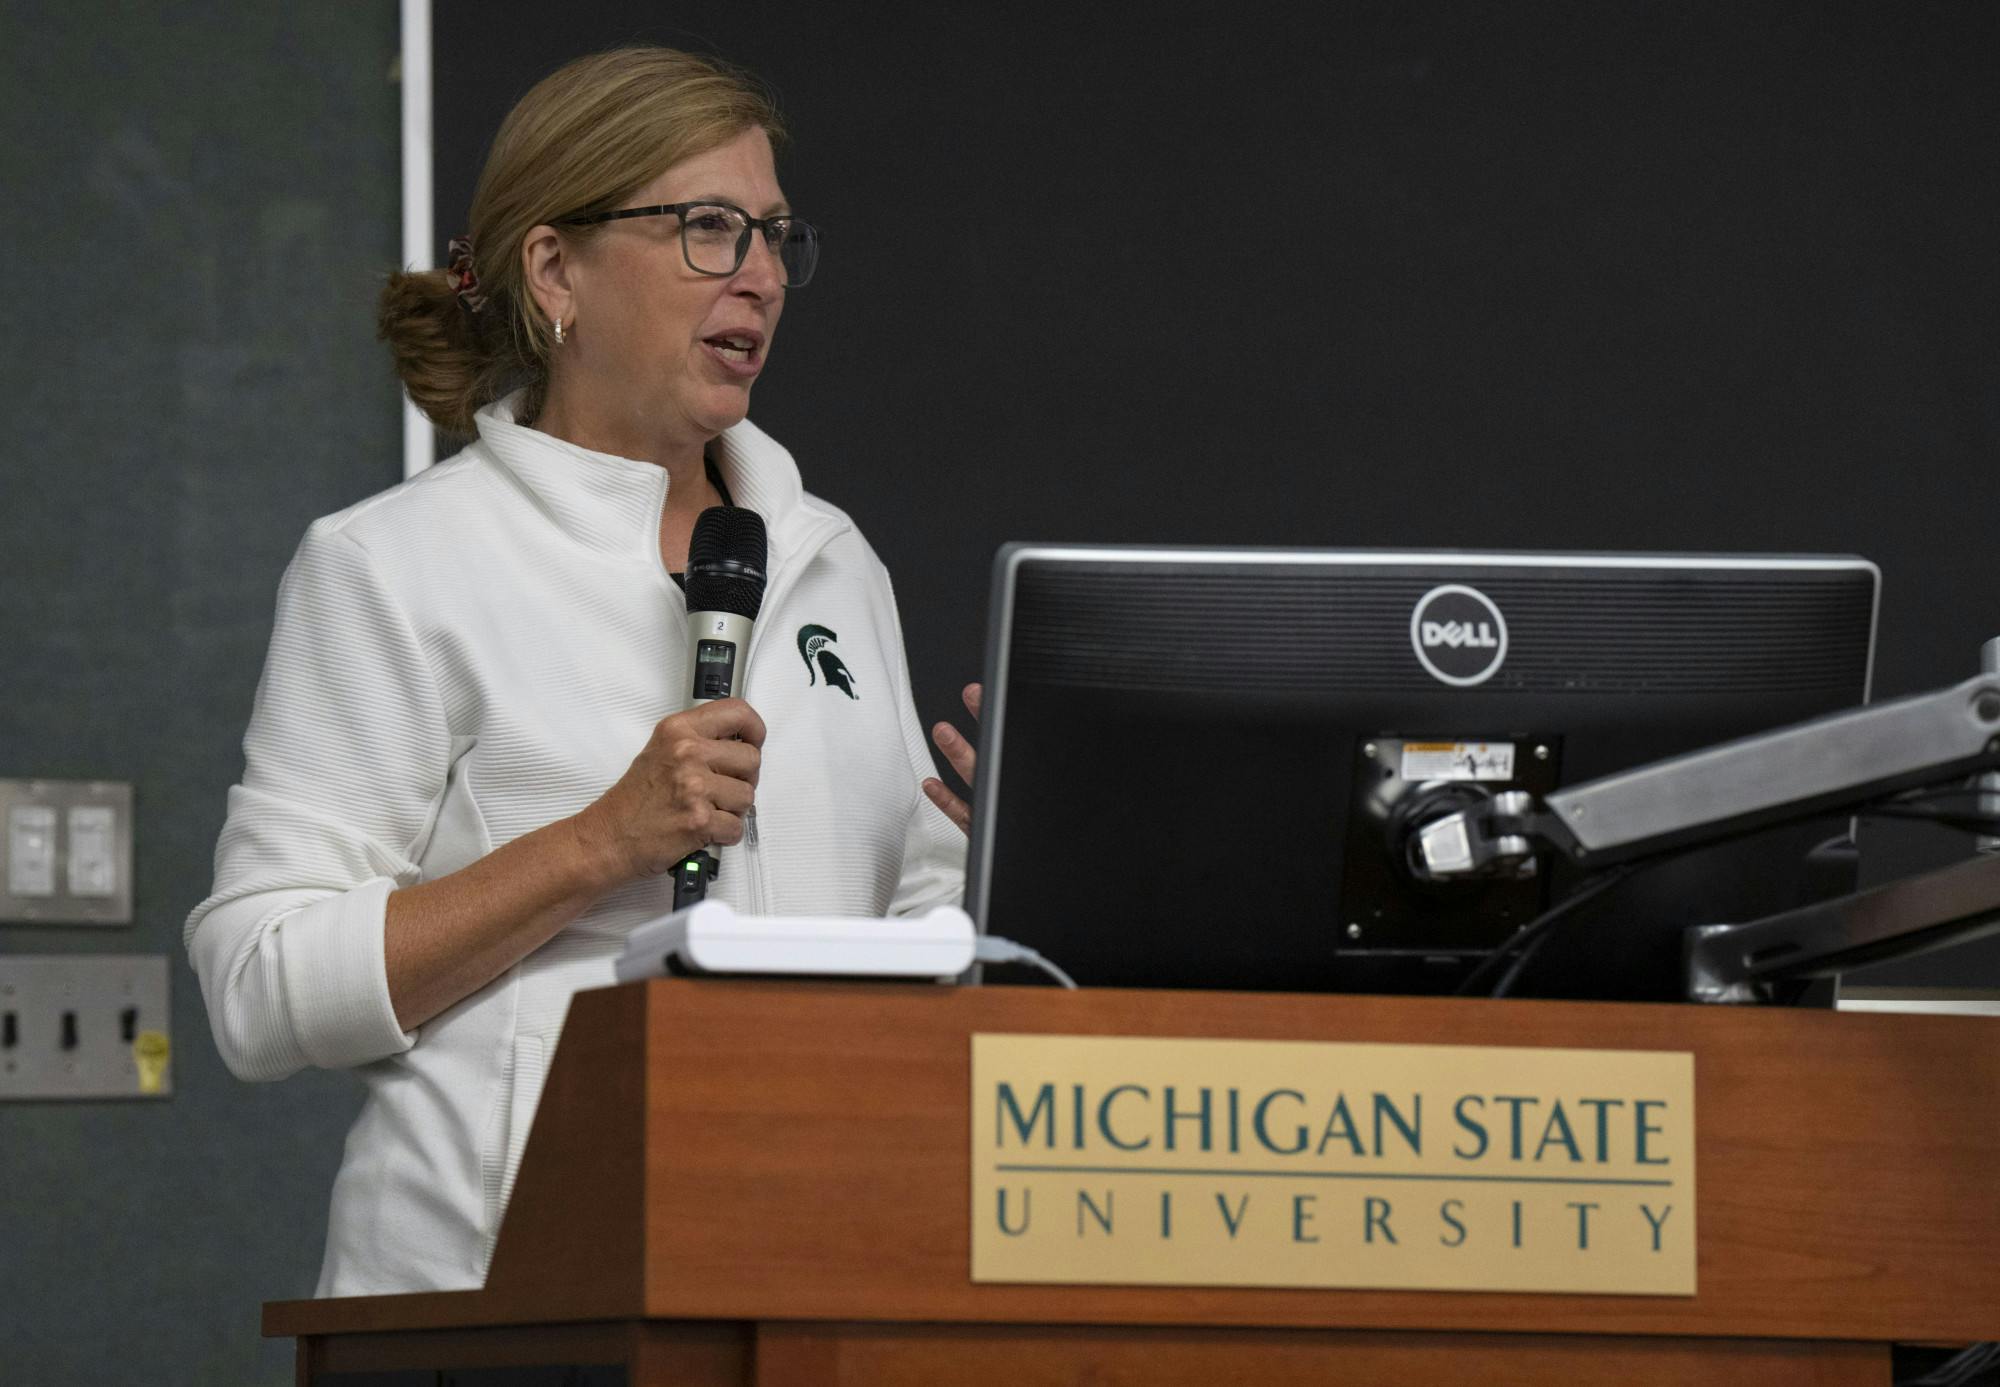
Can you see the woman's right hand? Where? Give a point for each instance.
(688, 788)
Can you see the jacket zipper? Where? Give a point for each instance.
(752, 862)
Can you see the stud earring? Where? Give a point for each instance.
(559, 335)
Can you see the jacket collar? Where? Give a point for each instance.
(612, 505)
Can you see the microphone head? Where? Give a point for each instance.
(725, 571)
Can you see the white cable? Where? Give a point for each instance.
(993, 949)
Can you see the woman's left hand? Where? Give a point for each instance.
(963, 757)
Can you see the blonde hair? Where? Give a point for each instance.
(584, 139)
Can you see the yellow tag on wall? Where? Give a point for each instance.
(150, 1052)
(1140, 1161)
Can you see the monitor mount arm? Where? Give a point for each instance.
(1843, 761)
(1832, 764)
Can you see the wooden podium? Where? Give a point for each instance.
(768, 1183)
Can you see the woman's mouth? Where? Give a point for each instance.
(741, 353)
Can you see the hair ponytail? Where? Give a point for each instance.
(435, 344)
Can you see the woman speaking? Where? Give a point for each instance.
(465, 779)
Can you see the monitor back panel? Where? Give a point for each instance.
(1190, 758)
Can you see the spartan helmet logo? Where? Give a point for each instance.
(815, 648)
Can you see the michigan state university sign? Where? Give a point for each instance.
(1126, 1160)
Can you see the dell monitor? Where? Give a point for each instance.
(1199, 767)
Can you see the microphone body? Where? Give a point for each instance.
(717, 643)
(725, 590)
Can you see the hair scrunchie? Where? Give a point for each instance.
(463, 278)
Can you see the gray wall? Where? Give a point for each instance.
(200, 200)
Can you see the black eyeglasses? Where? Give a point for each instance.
(715, 237)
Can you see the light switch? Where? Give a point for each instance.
(31, 850)
(65, 852)
(93, 851)
(84, 1026)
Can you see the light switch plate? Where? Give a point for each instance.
(85, 1026)
(65, 852)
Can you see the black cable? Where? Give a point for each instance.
(1934, 795)
(1970, 789)
(1965, 823)
(1933, 808)
(1546, 928)
(1537, 928)
(1934, 791)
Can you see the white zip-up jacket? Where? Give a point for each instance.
(463, 659)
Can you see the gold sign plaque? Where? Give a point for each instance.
(1102, 1160)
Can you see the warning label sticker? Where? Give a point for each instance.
(1458, 761)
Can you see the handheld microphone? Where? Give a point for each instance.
(725, 588)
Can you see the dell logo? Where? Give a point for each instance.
(1458, 634)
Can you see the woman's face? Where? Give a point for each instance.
(659, 349)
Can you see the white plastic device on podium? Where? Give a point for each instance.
(709, 937)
